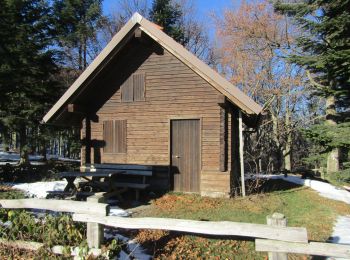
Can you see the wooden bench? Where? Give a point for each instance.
(139, 173)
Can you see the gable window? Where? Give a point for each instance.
(133, 89)
(114, 135)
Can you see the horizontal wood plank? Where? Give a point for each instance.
(222, 228)
(57, 205)
(312, 248)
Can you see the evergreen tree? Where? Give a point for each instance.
(168, 15)
(76, 23)
(27, 64)
(326, 56)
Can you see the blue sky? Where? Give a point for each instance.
(203, 6)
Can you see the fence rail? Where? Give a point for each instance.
(217, 228)
(57, 205)
(275, 238)
(312, 248)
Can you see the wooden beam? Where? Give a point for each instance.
(218, 228)
(138, 33)
(58, 250)
(277, 220)
(94, 231)
(241, 151)
(221, 99)
(57, 205)
(74, 108)
(312, 248)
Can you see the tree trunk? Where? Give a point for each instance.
(43, 151)
(23, 147)
(275, 135)
(6, 139)
(80, 61)
(333, 156)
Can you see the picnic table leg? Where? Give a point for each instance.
(70, 185)
(137, 194)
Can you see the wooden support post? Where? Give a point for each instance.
(241, 144)
(95, 231)
(277, 220)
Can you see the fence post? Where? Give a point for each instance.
(95, 231)
(277, 220)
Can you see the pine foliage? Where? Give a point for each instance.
(168, 15)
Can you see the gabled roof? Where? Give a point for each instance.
(232, 93)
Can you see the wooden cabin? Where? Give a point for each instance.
(146, 100)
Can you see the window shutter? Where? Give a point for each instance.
(108, 136)
(120, 136)
(139, 86)
(114, 135)
(127, 90)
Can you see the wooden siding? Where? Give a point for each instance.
(215, 184)
(172, 91)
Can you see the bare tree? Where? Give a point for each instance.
(254, 41)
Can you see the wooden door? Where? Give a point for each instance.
(185, 154)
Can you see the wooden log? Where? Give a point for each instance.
(277, 220)
(57, 205)
(25, 245)
(312, 248)
(35, 246)
(220, 228)
(74, 108)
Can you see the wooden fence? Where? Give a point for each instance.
(275, 237)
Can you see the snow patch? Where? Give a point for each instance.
(118, 212)
(341, 232)
(40, 189)
(132, 250)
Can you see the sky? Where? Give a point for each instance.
(204, 7)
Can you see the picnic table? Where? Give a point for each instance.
(92, 178)
(117, 179)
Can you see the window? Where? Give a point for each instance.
(133, 89)
(114, 135)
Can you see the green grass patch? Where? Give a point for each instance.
(303, 207)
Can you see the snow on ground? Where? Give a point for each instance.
(39, 189)
(131, 250)
(341, 232)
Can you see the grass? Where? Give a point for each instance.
(302, 207)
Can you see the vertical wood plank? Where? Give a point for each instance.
(241, 143)
(95, 231)
(277, 220)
